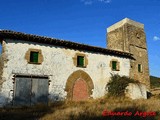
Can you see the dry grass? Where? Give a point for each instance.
(92, 110)
(89, 110)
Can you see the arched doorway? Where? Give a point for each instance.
(79, 86)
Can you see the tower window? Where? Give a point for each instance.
(139, 68)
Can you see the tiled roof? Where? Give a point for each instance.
(57, 42)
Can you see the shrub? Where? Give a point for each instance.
(117, 85)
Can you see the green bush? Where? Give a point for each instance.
(117, 84)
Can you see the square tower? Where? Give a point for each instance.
(129, 36)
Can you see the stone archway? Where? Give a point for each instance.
(79, 81)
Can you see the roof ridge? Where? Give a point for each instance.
(66, 43)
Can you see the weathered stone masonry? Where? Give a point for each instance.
(129, 36)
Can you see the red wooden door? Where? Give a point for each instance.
(80, 90)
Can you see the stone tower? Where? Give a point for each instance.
(129, 36)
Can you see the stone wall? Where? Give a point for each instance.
(117, 39)
(58, 64)
(129, 36)
(138, 48)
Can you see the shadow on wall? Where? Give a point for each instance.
(4, 100)
(25, 112)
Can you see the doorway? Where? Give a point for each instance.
(30, 90)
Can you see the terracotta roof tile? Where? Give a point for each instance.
(67, 44)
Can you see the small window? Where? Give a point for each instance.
(34, 57)
(115, 65)
(80, 61)
(139, 68)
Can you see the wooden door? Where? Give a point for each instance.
(80, 90)
(30, 90)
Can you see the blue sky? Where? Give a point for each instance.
(83, 21)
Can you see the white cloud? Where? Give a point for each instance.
(105, 1)
(90, 2)
(87, 2)
(155, 38)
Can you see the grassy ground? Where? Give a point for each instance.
(89, 110)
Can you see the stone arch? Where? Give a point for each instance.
(72, 79)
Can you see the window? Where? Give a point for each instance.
(115, 65)
(34, 57)
(80, 61)
(139, 68)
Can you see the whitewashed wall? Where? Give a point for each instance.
(58, 64)
(136, 91)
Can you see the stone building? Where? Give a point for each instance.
(129, 36)
(41, 69)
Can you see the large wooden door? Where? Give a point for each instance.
(30, 90)
(80, 90)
